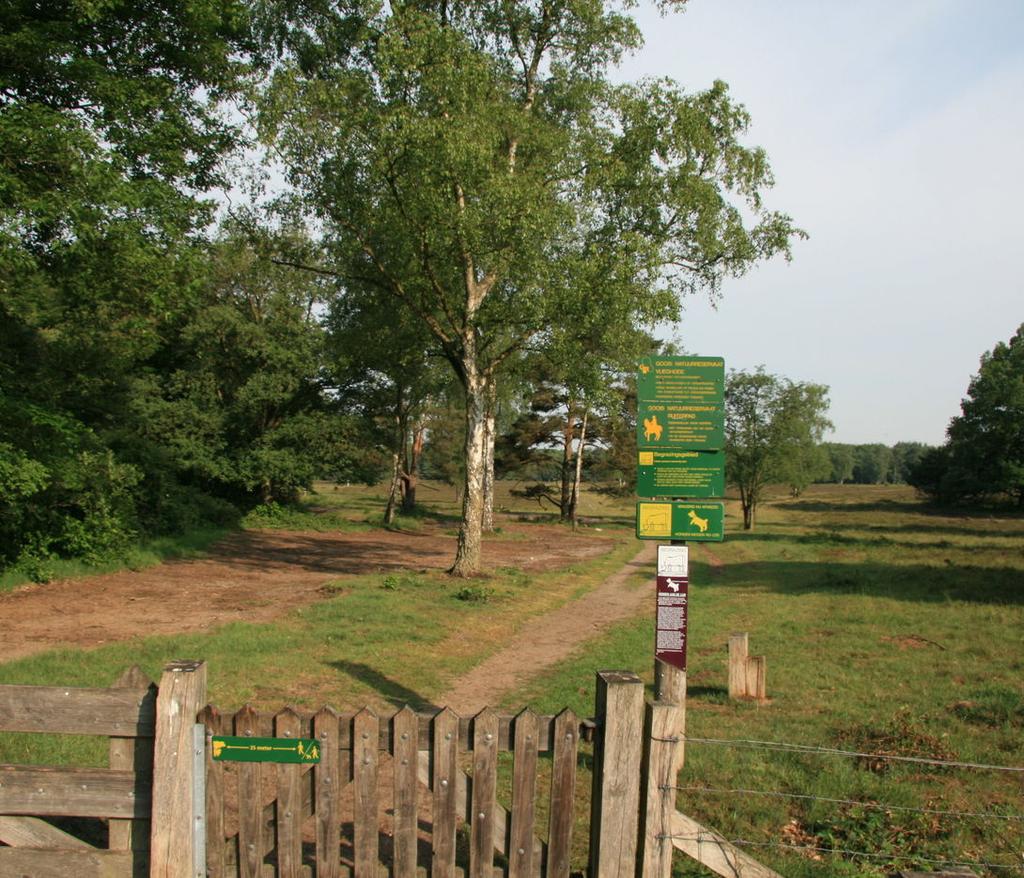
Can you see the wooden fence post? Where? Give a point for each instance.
(746, 672)
(618, 749)
(174, 848)
(738, 649)
(132, 754)
(756, 677)
(660, 765)
(670, 687)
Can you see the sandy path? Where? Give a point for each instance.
(251, 576)
(553, 637)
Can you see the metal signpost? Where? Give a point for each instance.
(680, 434)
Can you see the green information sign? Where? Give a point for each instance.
(680, 520)
(694, 381)
(291, 750)
(676, 473)
(680, 425)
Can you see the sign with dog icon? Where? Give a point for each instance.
(680, 520)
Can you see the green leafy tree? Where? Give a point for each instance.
(807, 463)
(906, 456)
(872, 464)
(773, 427)
(841, 461)
(471, 159)
(984, 454)
(110, 127)
(385, 367)
(240, 406)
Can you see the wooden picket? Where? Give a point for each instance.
(292, 820)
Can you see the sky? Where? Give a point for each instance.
(895, 131)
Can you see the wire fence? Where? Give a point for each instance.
(812, 849)
(888, 858)
(780, 746)
(875, 806)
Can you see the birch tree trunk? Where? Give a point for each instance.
(489, 420)
(467, 553)
(565, 494)
(396, 467)
(577, 477)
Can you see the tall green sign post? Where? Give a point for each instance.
(680, 436)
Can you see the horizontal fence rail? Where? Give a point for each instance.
(119, 795)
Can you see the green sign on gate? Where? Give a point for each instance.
(676, 473)
(680, 520)
(229, 748)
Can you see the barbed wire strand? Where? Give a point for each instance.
(742, 842)
(879, 806)
(829, 751)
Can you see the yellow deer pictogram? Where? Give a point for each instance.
(700, 523)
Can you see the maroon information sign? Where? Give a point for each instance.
(673, 597)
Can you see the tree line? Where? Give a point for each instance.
(869, 464)
(468, 199)
(982, 460)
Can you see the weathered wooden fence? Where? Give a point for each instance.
(404, 795)
(126, 715)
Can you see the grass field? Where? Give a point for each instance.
(888, 628)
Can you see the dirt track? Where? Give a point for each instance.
(554, 636)
(255, 576)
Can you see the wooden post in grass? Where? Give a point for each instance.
(738, 648)
(660, 766)
(747, 673)
(618, 750)
(175, 849)
(757, 667)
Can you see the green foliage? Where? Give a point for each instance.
(474, 594)
(984, 454)
(841, 460)
(905, 457)
(111, 119)
(773, 428)
(874, 463)
(473, 165)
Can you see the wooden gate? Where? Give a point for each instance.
(488, 796)
(449, 794)
(118, 795)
